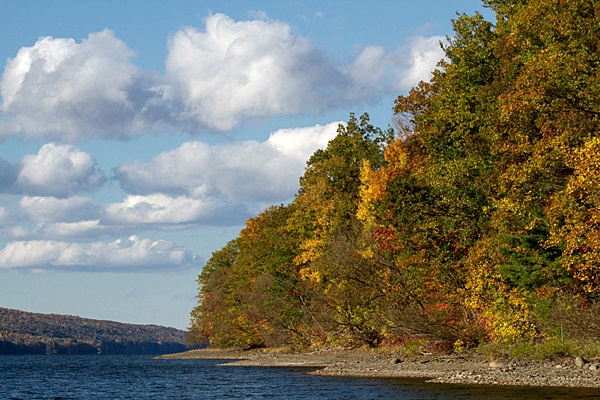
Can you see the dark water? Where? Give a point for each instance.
(141, 377)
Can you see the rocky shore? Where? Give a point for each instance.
(471, 368)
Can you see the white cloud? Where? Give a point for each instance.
(375, 71)
(73, 230)
(49, 217)
(195, 184)
(215, 78)
(249, 173)
(51, 209)
(77, 231)
(425, 53)
(160, 210)
(58, 170)
(368, 73)
(77, 90)
(132, 253)
(251, 69)
(300, 143)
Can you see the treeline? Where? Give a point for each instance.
(478, 220)
(32, 333)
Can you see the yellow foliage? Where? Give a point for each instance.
(395, 155)
(309, 274)
(578, 206)
(505, 312)
(365, 211)
(311, 249)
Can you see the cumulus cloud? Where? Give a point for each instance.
(162, 211)
(215, 78)
(77, 231)
(249, 173)
(51, 209)
(247, 69)
(195, 184)
(300, 143)
(78, 90)
(368, 72)
(59, 171)
(69, 230)
(123, 254)
(375, 70)
(425, 53)
(41, 217)
(8, 175)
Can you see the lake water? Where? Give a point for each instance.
(142, 377)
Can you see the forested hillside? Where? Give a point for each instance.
(477, 220)
(31, 333)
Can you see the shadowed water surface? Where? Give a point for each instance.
(141, 377)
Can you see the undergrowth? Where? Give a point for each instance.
(540, 350)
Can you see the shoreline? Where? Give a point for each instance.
(467, 369)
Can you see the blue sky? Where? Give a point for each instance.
(136, 137)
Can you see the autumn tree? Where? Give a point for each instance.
(433, 198)
(548, 121)
(325, 220)
(328, 196)
(250, 294)
(276, 298)
(468, 226)
(219, 316)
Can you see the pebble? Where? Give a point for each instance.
(498, 364)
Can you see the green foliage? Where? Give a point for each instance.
(530, 264)
(329, 189)
(553, 348)
(474, 224)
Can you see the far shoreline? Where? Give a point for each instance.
(468, 368)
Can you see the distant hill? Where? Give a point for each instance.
(32, 333)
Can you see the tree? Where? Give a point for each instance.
(324, 219)
(328, 196)
(219, 316)
(276, 298)
(576, 219)
(438, 184)
(464, 227)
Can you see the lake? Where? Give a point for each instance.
(142, 377)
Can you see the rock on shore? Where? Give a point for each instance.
(456, 369)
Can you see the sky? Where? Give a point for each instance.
(137, 137)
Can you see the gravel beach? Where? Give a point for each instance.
(469, 368)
